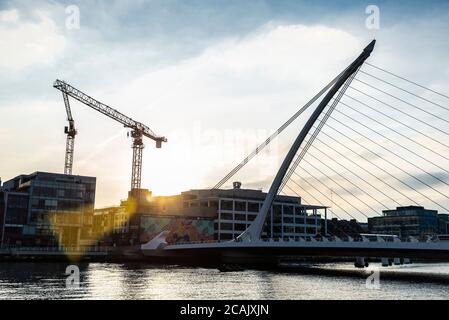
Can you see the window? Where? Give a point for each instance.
(311, 230)
(299, 220)
(299, 211)
(240, 227)
(311, 220)
(51, 203)
(226, 226)
(240, 206)
(226, 205)
(288, 220)
(299, 229)
(253, 206)
(226, 216)
(277, 210)
(226, 236)
(277, 219)
(240, 217)
(288, 210)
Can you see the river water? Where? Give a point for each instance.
(140, 281)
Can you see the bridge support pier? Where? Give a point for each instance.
(360, 262)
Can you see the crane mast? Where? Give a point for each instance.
(138, 130)
(71, 133)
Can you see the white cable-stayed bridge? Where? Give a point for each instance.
(375, 140)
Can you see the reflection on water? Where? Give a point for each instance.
(140, 281)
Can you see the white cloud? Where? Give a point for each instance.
(27, 43)
(213, 107)
(9, 16)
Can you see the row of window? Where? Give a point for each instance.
(276, 218)
(276, 229)
(255, 207)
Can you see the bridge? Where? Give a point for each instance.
(404, 167)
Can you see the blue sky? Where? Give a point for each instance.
(215, 77)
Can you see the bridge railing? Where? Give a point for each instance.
(56, 249)
(370, 238)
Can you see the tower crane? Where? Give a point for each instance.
(71, 133)
(138, 130)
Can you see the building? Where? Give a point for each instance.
(410, 221)
(111, 225)
(343, 228)
(217, 214)
(443, 223)
(48, 209)
(235, 209)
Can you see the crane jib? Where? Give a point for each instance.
(138, 130)
(106, 110)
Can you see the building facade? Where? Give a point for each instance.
(111, 225)
(343, 228)
(443, 223)
(218, 214)
(48, 209)
(410, 221)
(235, 209)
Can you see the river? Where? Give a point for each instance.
(27, 280)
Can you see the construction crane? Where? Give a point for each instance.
(71, 133)
(138, 130)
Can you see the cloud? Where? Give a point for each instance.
(208, 105)
(9, 16)
(213, 79)
(27, 43)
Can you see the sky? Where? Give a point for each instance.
(214, 77)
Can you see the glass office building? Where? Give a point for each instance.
(47, 209)
(405, 222)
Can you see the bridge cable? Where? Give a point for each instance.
(318, 201)
(371, 162)
(399, 110)
(317, 130)
(365, 170)
(347, 170)
(275, 134)
(404, 90)
(402, 100)
(389, 163)
(402, 135)
(338, 184)
(320, 182)
(400, 157)
(397, 121)
(405, 79)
